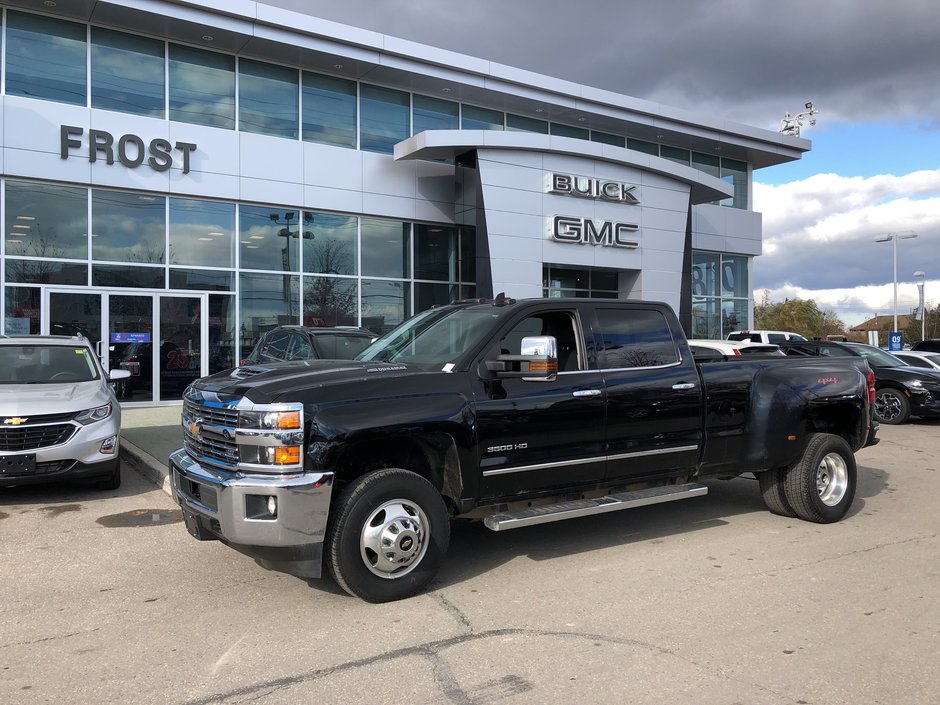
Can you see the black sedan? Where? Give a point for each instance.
(901, 391)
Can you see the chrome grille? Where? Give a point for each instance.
(34, 437)
(203, 443)
(215, 415)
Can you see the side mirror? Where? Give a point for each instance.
(115, 375)
(538, 361)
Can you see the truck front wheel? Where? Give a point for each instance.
(389, 535)
(820, 486)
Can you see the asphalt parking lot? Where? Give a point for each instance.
(711, 600)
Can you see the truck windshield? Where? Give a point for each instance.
(434, 338)
(46, 364)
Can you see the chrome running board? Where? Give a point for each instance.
(585, 507)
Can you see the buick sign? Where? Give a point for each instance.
(596, 189)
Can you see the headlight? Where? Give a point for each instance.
(915, 384)
(88, 416)
(269, 420)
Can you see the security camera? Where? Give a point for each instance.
(809, 105)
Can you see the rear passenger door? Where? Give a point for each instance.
(654, 397)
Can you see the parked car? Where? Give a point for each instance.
(901, 391)
(59, 417)
(704, 349)
(929, 345)
(764, 336)
(286, 343)
(919, 358)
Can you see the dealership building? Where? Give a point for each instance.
(177, 178)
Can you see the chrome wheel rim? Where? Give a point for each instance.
(394, 538)
(832, 479)
(887, 406)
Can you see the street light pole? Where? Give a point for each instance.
(923, 303)
(893, 238)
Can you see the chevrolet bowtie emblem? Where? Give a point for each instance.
(15, 420)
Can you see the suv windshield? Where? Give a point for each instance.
(46, 364)
(433, 338)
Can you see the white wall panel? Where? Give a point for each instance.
(388, 206)
(264, 158)
(333, 167)
(332, 199)
(267, 191)
(383, 175)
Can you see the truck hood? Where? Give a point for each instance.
(25, 399)
(265, 383)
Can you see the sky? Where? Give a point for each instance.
(871, 68)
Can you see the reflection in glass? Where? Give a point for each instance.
(329, 110)
(180, 351)
(221, 333)
(735, 173)
(267, 99)
(734, 276)
(43, 220)
(474, 118)
(29, 271)
(385, 118)
(330, 243)
(607, 138)
(266, 301)
(127, 73)
(705, 318)
(560, 130)
(521, 123)
(428, 295)
(202, 87)
(385, 248)
(75, 314)
(128, 227)
(643, 146)
(704, 274)
(384, 304)
(675, 154)
(268, 238)
(468, 254)
(132, 316)
(123, 275)
(330, 301)
(436, 253)
(733, 315)
(21, 310)
(434, 114)
(45, 58)
(202, 232)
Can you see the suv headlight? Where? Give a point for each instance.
(99, 413)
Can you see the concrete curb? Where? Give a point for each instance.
(148, 466)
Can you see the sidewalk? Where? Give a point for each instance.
(148, 436)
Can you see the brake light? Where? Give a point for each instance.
(737, 352)
(871, 387)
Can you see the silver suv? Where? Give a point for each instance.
(59, 418)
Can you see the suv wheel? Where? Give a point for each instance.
(891, 406)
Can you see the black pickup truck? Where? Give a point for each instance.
(513, 412)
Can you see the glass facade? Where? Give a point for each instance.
(720, 294)
(386, 118)
(561, 281)
(202, 87)
(45, 58)
(127, 73)
(268, 99)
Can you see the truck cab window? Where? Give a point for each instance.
(640, 338)
(559, 324)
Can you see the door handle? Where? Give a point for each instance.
(586, 393)
(683, 385)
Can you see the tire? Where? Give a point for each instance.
(891, 406)
(112, 481)
(400, 512)
(820, 486)
(772, 488)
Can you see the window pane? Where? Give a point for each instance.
(735, 173)
(22, 271)
(127, 227)
(330, 243)
(267, 99)
(21, 310)
(221, 333)
(434, 114)
(645, 147)
(607, 138)
(569, 131)
(329, 110)
(202, 280)
(475, 118)
(384, 304)
(202, 233)
(674, 154)
(708, 163)
(604, 281)
(385, 118)
(45, 58)
(43, 220)
(428, 295)
(704, 274)
(126, 73)
(268, 238)
(468, 255)
(125, 276)
(733, 315)
(202, 87)
(385, 248)
(436, 253)
(634, 338)
(520, 123)
(267, 301)
(706, 321)
(734, 276)
(330, 301)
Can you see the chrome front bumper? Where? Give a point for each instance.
(223, 505)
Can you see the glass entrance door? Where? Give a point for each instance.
(158, 338)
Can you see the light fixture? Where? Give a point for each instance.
(256, 237)
(216, 233)
(582, 119)
(26, 217)
(922, 302)
(446, 89)
(19, 226)
(540, 110)
(49, 3)
(893, 238)
(205, 239)
(337, 66)
(207, 37)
